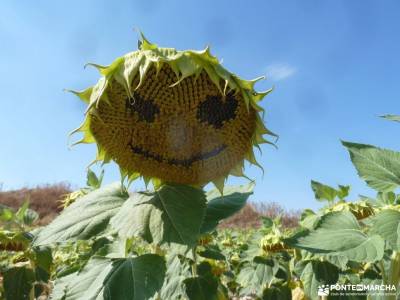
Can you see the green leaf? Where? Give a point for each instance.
(277, 293)
(6, 213)
(43, 260)
(43, 257)
(387, 224)
(308, 219)
(343, 191)
(137, 278)
(318, 273)
(86, 284)
(30, 216)
(212, 254)
(172, 214)
(339, 261)
(338, 233)
(18, 283)
(116, 248)
(386, 198)
(177, 272)
(380, 168)
(323, 192)
(268, 223)
(173, 288)
(86, 217)
(395, 118)
(92, 179)
(255, 277)
(22, 210)
(220, 207)
(200, 288)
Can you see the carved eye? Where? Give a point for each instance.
(146, 109)
(215, 111)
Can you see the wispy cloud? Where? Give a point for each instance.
(280, 71)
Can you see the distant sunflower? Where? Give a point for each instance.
(173, 116)
(361, 209)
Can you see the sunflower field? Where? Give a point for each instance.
(178, 120)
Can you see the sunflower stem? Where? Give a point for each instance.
(194, 266)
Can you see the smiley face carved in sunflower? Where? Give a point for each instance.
(177, 116)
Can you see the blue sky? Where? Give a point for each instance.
(334, 65)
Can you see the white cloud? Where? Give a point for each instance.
(280, 71)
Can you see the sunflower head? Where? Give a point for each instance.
(361, 209)
(273, 242)
(173, 116)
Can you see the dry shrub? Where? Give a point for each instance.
(250, 216)
(289, 218)
(44, 199)
(247, 217)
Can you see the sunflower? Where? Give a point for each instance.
(173, 116)
(360, 209)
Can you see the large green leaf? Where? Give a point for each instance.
(18, 283)
(173, 288)
(387, 224)
(172, 214)
(220, 207)
(255, 277)
(86, 284)
(201, 288)
(380, 168)
(318, 273)
(86, 217)
(338, 233)
(277, 293)
(177, 272)
(136, 278)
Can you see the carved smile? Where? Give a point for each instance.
(187, 162)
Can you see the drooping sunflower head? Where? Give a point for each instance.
(361, 209)
(174, 116)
